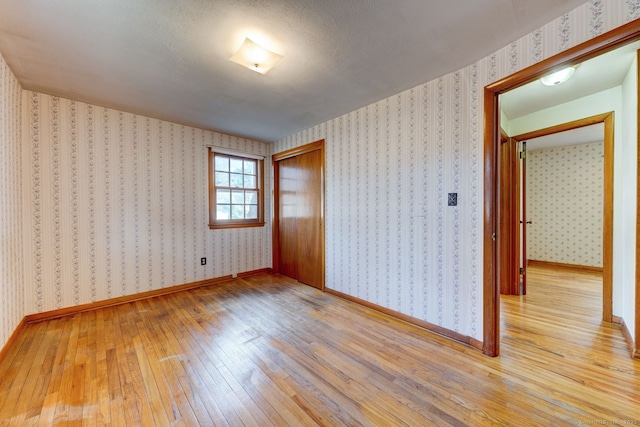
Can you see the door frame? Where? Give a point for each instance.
(275, 223)
(607, 223)
(491, 287)
(635, 351)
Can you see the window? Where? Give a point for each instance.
(236, 191)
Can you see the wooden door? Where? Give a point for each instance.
(522, 196)
(287, 184)
(299, 214)
(509, 218)
(309, 217)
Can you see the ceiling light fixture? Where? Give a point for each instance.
(255, 57)
(558, 77)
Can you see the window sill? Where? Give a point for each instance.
(236, 225)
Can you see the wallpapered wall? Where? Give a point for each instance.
(391, 238)
(118, 204)
(565, 192)
(11, 235)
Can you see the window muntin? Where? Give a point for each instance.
(236, 193)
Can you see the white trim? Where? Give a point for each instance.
(231, 152)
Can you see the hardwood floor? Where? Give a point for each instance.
(267, 351)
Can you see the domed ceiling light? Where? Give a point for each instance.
(558, 77)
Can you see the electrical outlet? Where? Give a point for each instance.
(203, 261)
(234, 275)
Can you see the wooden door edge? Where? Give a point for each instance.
(636, 351)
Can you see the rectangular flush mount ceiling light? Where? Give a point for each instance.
(255, 57)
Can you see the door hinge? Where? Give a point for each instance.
(522, 270)
(493, 236)
(523, 154)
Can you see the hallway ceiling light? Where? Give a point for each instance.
(255, 57)
(558, 77)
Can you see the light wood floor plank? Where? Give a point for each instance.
(237, 371)
(99, 383)
(267, 351)
(210, 375)
(159, 392)
(35, 386)
(181, 402)
(14, 378)
(192, 376)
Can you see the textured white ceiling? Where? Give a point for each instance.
(168, 59)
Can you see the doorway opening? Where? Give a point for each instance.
(493, 208)
(517, 214)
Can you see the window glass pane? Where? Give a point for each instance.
(249, 167)
(251, 197)
(236, 180)
(251, 211)
(222, 179)
(249, 181)
(223, 196)
(237, 211)
(236, 165)
(222, 163)
(223, 211)
(237, 197)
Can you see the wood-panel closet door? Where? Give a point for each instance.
(309, 219)
(300, 217)
(288, 200)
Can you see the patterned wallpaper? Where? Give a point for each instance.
(118, 204)
(391, 238)
(565, 193)
(12, 308)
